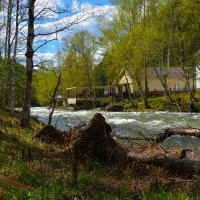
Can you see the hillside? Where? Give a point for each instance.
(31, 169)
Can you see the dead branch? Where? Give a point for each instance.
(174, 165)
(161, 137)
(54, 99)
(94, 141)
(192, 132)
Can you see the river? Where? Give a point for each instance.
(129, 123)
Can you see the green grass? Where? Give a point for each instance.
(161, 193)
(47, 174)
(181, 103)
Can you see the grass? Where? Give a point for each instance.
(160, 103)
(46, 173)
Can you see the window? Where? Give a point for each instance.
(176, 87)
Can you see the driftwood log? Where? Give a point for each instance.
(174, 165)
(192, 132)
(163, 135)
(94, 141)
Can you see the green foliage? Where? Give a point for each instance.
(43, 86)
(79, 64)
(5, 83)
(150, 33)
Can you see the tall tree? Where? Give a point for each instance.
(7, 53)
(32, 18)
(134, 21)
(14, 59)
(180, 23)
(83, 46)
(29, 64)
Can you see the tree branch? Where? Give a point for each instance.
(46, 42)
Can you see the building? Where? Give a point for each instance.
(198, 77)
(174, 77)
(125, 85)
(196, 58)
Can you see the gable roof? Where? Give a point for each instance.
(170, 72)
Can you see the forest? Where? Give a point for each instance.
(137, 35)
(90, 161)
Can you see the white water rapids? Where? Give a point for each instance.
(131, 124)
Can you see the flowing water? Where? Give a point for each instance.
(131, 124)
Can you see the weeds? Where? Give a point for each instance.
(48, 174)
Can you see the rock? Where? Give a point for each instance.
(114, 108)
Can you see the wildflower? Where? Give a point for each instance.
(53, 181)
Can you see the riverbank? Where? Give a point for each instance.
(31, 169)
(181, 103)
(160, 103)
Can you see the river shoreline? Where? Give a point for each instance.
(39, 171)
(130, 124)
(160, 103)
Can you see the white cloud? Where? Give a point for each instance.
(41, 57)
(81, 20)
(82, 17)
(99, 55)
(75, 5)
(47, 8)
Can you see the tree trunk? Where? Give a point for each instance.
(164, 84)
(128, 90)
(90, 81)
(192, 132)
(14, 60)
(146, 105)
(174, 165)
(7, 53)
(29, 65)
(162, 136)
(54, 99)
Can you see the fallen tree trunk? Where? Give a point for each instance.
(161, 137)
(174, 165)
(192, 132)
(94, 141)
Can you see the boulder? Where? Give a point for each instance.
(114, 108)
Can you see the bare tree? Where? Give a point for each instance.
(7, 53)
(162, 76)
(53, 99)
(32, 18)
(14, 59)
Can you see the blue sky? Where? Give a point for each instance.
(54, 47)
(96, 2)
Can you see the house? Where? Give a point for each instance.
(125, 85)
(174, 78)
(198, 77)
(196, 57)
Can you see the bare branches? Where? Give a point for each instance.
(53, 100)
(45, 42)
